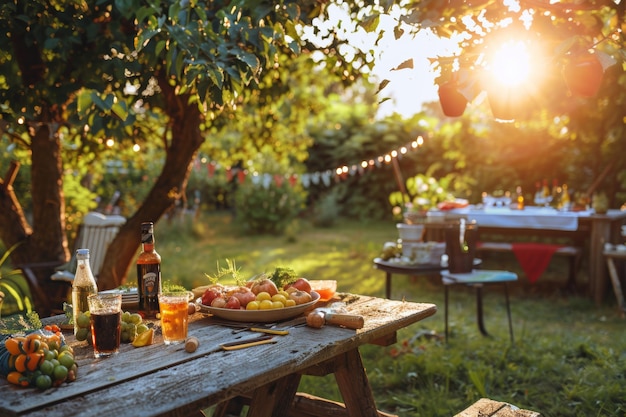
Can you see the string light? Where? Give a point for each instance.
(319, 177)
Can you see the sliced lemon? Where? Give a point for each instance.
(144, 339)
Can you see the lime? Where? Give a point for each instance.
(43, 382)
(66, 359)
(49, 354)
(60, 373)
(82, 334)
(46, 367)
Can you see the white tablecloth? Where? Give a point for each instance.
(529, 218)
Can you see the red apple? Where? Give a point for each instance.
(266, 285)
(210, 295)
(218, 302)
(233, 303)
(244, 295)
(301, 284)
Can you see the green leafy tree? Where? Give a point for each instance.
(77, 72)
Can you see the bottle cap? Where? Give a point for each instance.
(82, 253)
(147, 232)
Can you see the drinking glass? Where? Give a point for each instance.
(105, 314)
(174, 316)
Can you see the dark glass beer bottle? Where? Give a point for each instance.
(148, 272)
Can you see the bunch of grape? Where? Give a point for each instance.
(84, 327)
(132, 325)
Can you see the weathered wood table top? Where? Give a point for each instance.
(160, 380)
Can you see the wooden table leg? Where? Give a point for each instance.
(600, 234)
(508, 311)
(274, 399)
(479, 310)
(354, 385)
(388, 285)
(446, 309)
(617, 286)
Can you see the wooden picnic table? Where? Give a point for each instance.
(160, 380)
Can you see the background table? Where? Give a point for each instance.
(159, 380)
(586, 229)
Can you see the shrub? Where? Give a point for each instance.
(267, 209)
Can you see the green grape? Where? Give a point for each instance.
(142, 328)
(82, 334)
(126, 316)
(124, 336)
(82, 320)
(135, 318)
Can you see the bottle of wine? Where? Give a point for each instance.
(519, 198)
(148, 272)
(83, 286)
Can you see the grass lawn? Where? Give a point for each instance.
(568, 359)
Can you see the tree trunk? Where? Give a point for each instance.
(46, 242)
(185, 122)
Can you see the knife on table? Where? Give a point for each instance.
(245, 343)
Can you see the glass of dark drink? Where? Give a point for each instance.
(105, 312)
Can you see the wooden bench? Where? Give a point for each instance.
(572, 252)
(490, 408)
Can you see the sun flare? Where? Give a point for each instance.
(511, 64)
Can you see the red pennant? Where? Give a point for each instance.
(293, 180)
(211, 169)
(229, 175)
(278, 179)
(241, 176)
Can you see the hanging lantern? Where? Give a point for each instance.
(453, 103)
(583, 74)
(509, 103)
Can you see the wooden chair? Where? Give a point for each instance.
(95, 234)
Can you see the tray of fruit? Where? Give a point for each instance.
(260, 300)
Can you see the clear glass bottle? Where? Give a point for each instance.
(148, 272)
(83, 286)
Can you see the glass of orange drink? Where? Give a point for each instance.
(173, 307)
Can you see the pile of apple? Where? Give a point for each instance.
(258, 294)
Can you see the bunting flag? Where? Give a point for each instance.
(312, 178)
